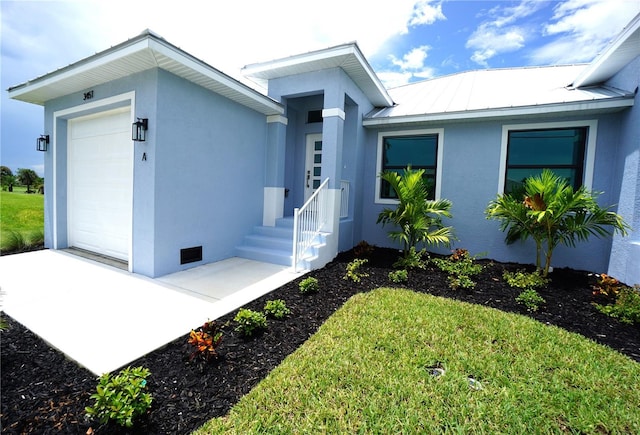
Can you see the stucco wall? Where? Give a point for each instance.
(141, 87)
(625, 253)
(470, 178)
(209, 173)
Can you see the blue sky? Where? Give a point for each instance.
(404, 40)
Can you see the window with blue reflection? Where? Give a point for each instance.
(530, 151)
(419, 152)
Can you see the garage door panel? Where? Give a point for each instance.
(100, 184)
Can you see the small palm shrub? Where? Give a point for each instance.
(121, 398)
(416, 219)
(309, 285)
(353, 270)
(249, 321)
(551, 213)
(277, 309)
(530, 299)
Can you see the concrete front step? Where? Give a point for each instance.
(265, 255)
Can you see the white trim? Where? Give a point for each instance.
(589, 153)
(336, 111)
(79, 111)
(277, 118)
(439, 157)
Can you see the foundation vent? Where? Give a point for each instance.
(191, 255)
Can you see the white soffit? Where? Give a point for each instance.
(136, 55)
(623, 49)
(346, 56)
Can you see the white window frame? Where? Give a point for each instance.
(589, 152)
(439, 151)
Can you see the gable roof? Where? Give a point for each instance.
(622, 50)
(141, 53)
(346, 56)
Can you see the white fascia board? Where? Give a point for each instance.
(616, 103)
(76, 68)
(216, 75)
(373, 77)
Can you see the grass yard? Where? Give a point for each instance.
(367, 370)
(20, 213)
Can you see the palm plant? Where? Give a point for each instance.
(417, 218)
(552, 213)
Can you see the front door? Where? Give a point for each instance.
(312, 174)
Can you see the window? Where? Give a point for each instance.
(419, 149)
(565, 148)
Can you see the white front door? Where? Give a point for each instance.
(100, 183)
(312, 174)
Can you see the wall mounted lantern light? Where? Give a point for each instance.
(139, 129)
(42, 142)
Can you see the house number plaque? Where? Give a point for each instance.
(88, 95)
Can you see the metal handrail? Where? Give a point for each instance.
(308, 220)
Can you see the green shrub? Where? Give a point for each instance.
(398, 276)
(412, 259)
(460, 267)
(353, 270)
(524, 280)
(250, 321)
(626, 308)
(121, 398)
(530, 299)
(309, 285)
(277, 309)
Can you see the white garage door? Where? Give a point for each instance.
(100, 182)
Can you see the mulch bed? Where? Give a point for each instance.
(43, 392)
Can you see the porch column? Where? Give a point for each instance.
(275, 161)
(332, 143)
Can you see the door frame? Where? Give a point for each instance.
(309, 175)
(58, 169)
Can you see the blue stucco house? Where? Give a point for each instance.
(224, 166)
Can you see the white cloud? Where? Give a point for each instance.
(489, 41)
(500, 34)
(392, 79)
(426, 13)
(582, 28)
(412, 60)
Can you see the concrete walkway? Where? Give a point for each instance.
(104, 318)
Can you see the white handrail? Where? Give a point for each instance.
(308, 220)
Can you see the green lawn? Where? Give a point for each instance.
(20, 213)
(366, 371)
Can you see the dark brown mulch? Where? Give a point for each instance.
(42, 392)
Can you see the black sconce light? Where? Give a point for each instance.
(42, 142)
(139, 129)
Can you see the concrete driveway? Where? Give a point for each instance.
(96, 314)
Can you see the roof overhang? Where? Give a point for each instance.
(346, 56)
(582, 107)
(138, 54)
(623, 49)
